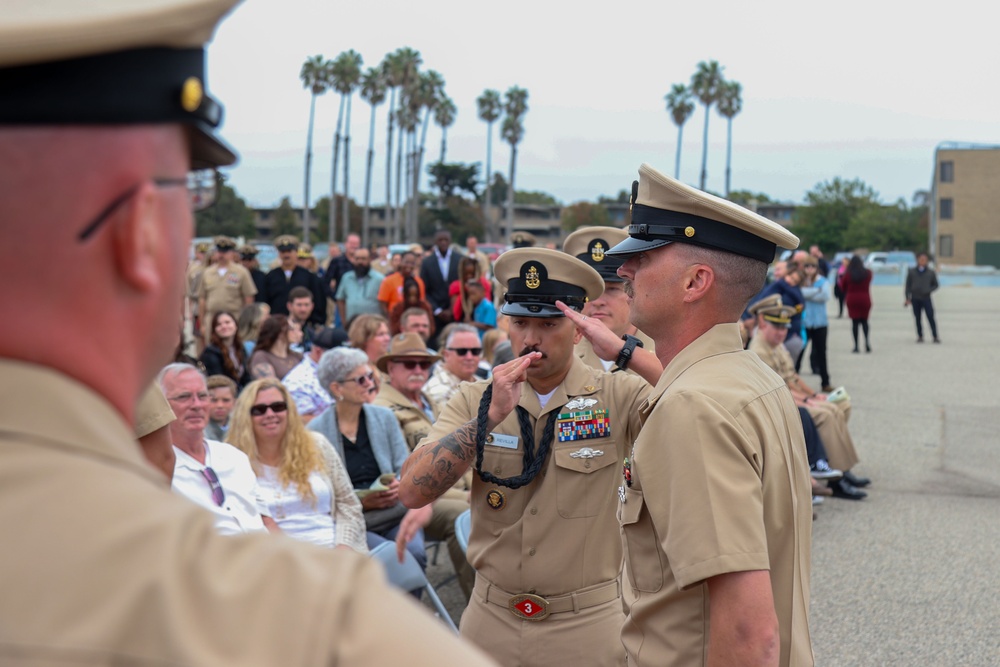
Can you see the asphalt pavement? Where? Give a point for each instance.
(909, 576)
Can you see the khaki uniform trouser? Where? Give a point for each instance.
(831, 422)
(442, 527)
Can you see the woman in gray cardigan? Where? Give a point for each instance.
(368, 439)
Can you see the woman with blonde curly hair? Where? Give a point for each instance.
(301, 478)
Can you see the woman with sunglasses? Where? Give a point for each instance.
(301, 479)
(368, 440)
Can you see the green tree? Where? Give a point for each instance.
(315, 76)
(459, 216)
(373, 91)
(424, 97)
(345, 75)
(623, 197)
(535, 198)
(747, 198)
(229, 216)
(444, 117)
(680, 107)
(285, 221)
(831, 208)
(512, 131)
(705, 84)
(583, 214)
(489, 107)
(449, 177)
(730, 104)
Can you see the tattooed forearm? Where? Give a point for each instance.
(435, 467)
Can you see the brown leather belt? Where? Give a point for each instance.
(531, 607)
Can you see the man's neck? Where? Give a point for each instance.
(546, 385)
(192, 444)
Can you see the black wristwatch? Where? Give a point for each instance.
(625, 356)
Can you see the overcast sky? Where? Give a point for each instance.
(855, 89)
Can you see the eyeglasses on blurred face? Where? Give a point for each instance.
(362, 380)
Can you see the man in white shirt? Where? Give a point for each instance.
(212, 474)
(310, 397)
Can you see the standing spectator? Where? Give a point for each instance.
(273, 356)
(920, 282)
(311, 398)
(391, 291)
(472, 250)
(249, 323)
(824, 266)
(438, 270)
(815, 291)
(382, 262)
(856, 284)
(288, 274)
(225, 353)
(468, 269)
(301, 479)
(225, 287)
(837, 290)
(305, 258)
(357, 291)
(411, 299)
(196, 267)
(222, 393)
(248, 259)
(484, 313)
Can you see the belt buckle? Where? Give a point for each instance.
(529, 607)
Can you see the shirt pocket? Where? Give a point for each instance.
(502, 463)
(644, 561)
(585, 486)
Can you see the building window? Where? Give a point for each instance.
(946, 212)
(947, 171)
(946, 246)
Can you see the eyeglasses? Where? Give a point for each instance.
(410, 364)
(462, 351)
(187, 397)
(261, 409)
(361, 379)
(202, 187)
(218, 495)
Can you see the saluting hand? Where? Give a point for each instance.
(604, 341)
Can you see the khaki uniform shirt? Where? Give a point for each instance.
(719, 484)
(557, 534)
(227, 292)
(414, 421)
(102, 565)
(585, 351)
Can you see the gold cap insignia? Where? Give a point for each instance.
(531, 279)
(191, 94)
(597, 252)
(689, 232)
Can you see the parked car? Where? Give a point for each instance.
(492, 250)
(891, 260)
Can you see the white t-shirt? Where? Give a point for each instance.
(295, 515)
(242, 508)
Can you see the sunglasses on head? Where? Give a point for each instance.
(361, 379)
(462, 351)
(410, 364)
(261, 409)
(218, 495)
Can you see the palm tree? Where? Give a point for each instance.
(730, 104)
(489, 110)
(346, 74)
(705, 84)
(512, 131)
(373, 90)
(444, 117)
(315, 75)
(407, 118)
(429, 89)
(392, 71)
(680, 107)
(403, 73)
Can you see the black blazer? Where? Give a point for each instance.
(276, 289)
(211, 357)
(435, 284)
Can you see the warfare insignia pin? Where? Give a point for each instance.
(581, 403)
(495, 499)
(586, 453)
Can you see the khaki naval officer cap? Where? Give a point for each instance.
(153, 411)
(286, 242)
(591, 246)
(535, 278)
(665, 211)
(523, 240)
(224, 243)
(779, 316)
(248, 251)
(111, 62)
(772, 301)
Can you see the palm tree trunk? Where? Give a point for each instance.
(677, 160)
(418, 163)
(510, 192)
(488, 223)
(729, 152)
(309, 149)
(347, 168)
(333, 190)
(444, 149)
(704, 151)
(396, 221)
(366, 218)
(394, 236)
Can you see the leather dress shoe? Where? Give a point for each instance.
(844, 489)
(860, 482)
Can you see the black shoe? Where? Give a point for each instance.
(855, 350)
(920, 339)
(826, 389)
(868, 348)
(859, 482)
(937, 340)
(844, 489)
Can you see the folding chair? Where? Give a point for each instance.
(409, 577)
(463, 524)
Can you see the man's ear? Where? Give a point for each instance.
(698, 279)
(137, 242)
(577, 335)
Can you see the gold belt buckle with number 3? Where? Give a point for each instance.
(529, 607)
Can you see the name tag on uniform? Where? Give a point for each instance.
(505, 441)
